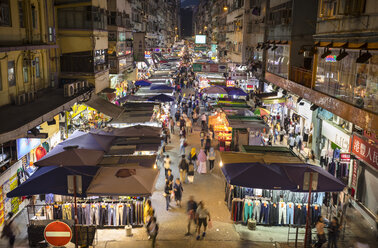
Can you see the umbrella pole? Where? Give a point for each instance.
(76, 219)
(308, 214)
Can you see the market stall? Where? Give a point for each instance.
(266, 184)
(222, 129)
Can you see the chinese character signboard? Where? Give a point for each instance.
(365, 151)
(197, 67)
(139, 46)
(354, 175)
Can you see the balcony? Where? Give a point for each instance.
(301, 76)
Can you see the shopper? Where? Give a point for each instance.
(193, 155)
(183, 167)
(203, 121)
(169, 176)
(167, 193)
(189, 127)
(282, 134)
(298, 142)
(167, 164)
(291, 142)
(333, 233)
(153, 229)
(191, 211)
(177, 190)
(147, 211)
(172, 125)
(211, 158)
(183, 132)
(202, 214)
(202, 162)
(320, 232)
(8, 230)
(207, 144)
(202, 136)
(182, 145)
(191, 171)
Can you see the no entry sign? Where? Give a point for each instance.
(58, 233)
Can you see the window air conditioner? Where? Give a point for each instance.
(69, 90)
(20, 99)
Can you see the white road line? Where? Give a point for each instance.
(58, 234)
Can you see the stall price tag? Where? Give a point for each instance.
(265, 204)
(257, 203)
(289, 205)
(316, 207)
(282, 205)
(103, 206)
(299, 206)
(274, 205)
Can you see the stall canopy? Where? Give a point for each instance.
(89, 141)
(233, 91)
(214, 90)
(53, 179)
(138, 131)
(143, 83)
(161, 87)
(123, 180)
(273, 168)
(104, 106)
(161, 98)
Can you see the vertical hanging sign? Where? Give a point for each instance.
(139, 46)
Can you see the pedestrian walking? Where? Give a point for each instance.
(177, 116)
(333, 233)
(291, 142)
(207, 144)
(202, 215)
(202, 136)
(282, 134)
(191, 211)
(167, 164)
(191, 171)
(193, 155)
(320, 232)
(9, 231)
(211, 158)
(153, 229)
(168, 192)
(183, 132)
(182, 145)
(148, 211)
(177, 190)
(169, 176)
(189, 127)
(183, 167)
(203, 121)
(202, 162)
(298, 142)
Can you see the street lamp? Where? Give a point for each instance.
(225, 8)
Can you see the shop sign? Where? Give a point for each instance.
(291, 103)
(371, 135)
(25, 145)
(336, 136)
(354, 175)
(365, 151)
(230, 83)
(345, 157)
(139, 46)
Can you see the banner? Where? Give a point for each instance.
(365, 151)
(139, 46)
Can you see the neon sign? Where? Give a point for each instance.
(330, 58)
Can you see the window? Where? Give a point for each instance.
(5, 13)
(37, 68)
(349, 81)
(21, 13)
(34, 16)
(25, 73)
(278, 61)
(11, 74)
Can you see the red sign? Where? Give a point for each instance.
(230, 83)
(214, 67)
(345, 157)
(58, 233)
(354, 175)
(365, 151)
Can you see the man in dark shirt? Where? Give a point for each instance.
(191, 211)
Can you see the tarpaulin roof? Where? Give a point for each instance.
(161, 87)
(71, 156)
(252, 125)
(138, 131)
(161, 98)
(142, 83)
(104, 106)
(214, 90)
(146, 161)
(274, 169)
(53, 179)
(89, 141)
(124, 180)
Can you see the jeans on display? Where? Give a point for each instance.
(85, 214)
(290, 213)
(256, 210)
(315, 212)
(103, 215)
(111, 215)
(119, 214)
(79, 214)
(57, 212)
(273, 214)
(67, 213)
(282, 213)
(94, 214)
(248, 210)
(298, 214)
(265, 212)
(49, 212)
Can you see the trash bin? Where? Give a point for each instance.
(129, 230)
(251, 224)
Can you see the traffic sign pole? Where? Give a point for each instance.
(308, 213)
(76, 219)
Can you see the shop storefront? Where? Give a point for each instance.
(222, 129)
(364, 173)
